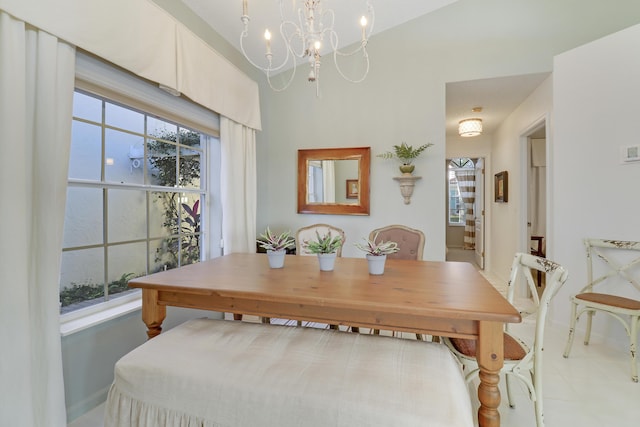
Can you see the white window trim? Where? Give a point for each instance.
(85, 318)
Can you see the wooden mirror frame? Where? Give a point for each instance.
(362, 154)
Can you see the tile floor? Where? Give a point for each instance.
(592, 388)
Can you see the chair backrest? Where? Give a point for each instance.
(523, 264)
(309, 233)
(410, 241)
(619, 258)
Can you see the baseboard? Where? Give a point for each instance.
(85, 405)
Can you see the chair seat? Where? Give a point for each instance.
(513, 349)
(611, 300)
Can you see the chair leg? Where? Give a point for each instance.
(572, 330)
(507, 381)
(587, 334)
(538, 403)
(633, 347)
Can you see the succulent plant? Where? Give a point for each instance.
(324, 245)
(275, 242)
(378, 249)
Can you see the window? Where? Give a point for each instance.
(456, 213)
(135, 199)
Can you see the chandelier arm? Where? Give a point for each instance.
(334, 41)
(286, 85)
(344, 76)
(289, 38)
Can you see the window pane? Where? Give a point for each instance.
(163, 212)
(189, 168)
(119, 166)
(158, 127)
(83, 217)
(86, 151)
(158, 256)
(190, 250)
(87, 107)
(124, 118)
(126, 262)
(81, 279)
(162, 160)
(127, 215)
(190, 228)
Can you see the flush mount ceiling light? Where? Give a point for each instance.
(471, 127)
(304, 27)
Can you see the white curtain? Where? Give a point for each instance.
(36, 95)
(238, 182)
(329, 181)
(467, 185)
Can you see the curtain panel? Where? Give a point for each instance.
(238, 186)
(165, 51)
(467, 186)
(36, 97)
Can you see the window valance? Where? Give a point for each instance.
(143, 38)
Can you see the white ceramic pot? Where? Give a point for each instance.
(327, 261)
(376, 264)
(276, 258)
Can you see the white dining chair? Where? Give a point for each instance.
(621, 262)
(521, 360)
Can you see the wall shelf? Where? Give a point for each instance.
(407, 182)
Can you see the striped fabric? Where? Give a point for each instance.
(467, 185)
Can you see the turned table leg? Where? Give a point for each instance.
(153, 314)
(490, 360)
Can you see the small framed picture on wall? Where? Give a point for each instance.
(501, 191)
(352, 189)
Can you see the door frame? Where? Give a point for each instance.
(524, 244)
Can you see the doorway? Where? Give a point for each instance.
(465, 210)
(534, 176)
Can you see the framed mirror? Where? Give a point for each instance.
(334, 181)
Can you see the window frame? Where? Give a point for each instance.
(117, 82)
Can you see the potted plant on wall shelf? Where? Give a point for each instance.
(376, 253)
(326, 247)
(276, 246)
(406, 154)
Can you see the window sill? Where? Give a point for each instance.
(92, 316)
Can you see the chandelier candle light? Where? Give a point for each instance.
(304, 40)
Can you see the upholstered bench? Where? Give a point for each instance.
(228, 373)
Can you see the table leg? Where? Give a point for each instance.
(153, 314)
(490, 357)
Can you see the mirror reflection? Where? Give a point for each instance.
(334, 181)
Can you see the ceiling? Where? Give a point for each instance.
(498, 96)
(224, 17)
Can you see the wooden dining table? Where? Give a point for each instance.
(437, 298)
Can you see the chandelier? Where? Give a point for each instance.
(304, 31)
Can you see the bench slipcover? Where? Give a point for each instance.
(221, 373)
